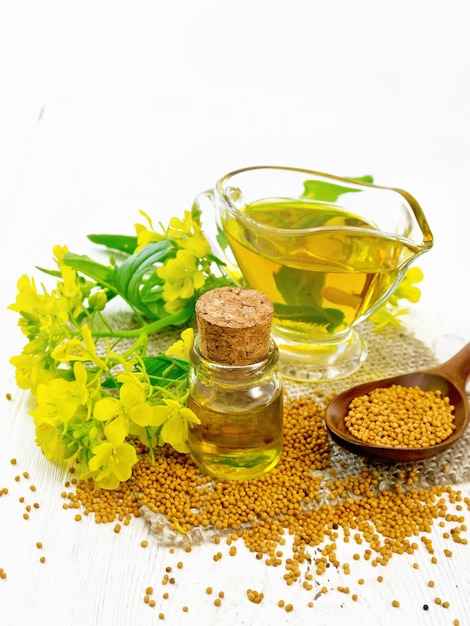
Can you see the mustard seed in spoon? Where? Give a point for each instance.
(401, 417)
(433, 414)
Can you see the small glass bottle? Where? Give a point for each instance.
(235, 386)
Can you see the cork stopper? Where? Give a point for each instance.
(234, 325)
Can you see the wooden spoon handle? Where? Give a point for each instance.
(457, 368)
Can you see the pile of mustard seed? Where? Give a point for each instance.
(301, 500)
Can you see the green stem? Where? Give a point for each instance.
(141, 341)
(171, 320)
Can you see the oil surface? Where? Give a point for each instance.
(320, 280)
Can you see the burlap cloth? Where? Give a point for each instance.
(391, 351)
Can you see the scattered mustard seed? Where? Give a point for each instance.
(252, 595)
(353, 507)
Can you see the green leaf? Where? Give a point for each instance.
(364, 179)
(129, 276)
(102, 274)
(303, 295)
(328, 317)
(164, 371)
(128, 279)
(54, 273)
(330, 192)
(221, 238)
(152, 289)
(110, 383)
(122, 243)
(325, 192)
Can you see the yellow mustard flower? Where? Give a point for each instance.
(121, 414)
(175, 306)
(407, 289)
(388, 314)
(384, 316)
(58, 402)
(71, 290)
(49, 439)
(146, 234)
(32, 369)
(59, 253)
(182, 347)
(181, 275)
(178, 228)
(44, 312)
(188, 234)
(62, 398)
(80, 350)
(175, 419)
(112, 463)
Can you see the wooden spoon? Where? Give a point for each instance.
(450, 378)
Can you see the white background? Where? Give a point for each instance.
(111, 107)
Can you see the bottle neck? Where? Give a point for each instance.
(233, 372)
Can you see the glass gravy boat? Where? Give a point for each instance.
(327, 251)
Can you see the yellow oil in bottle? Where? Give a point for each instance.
(331, 270)
(237, 444)
(235, 386)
